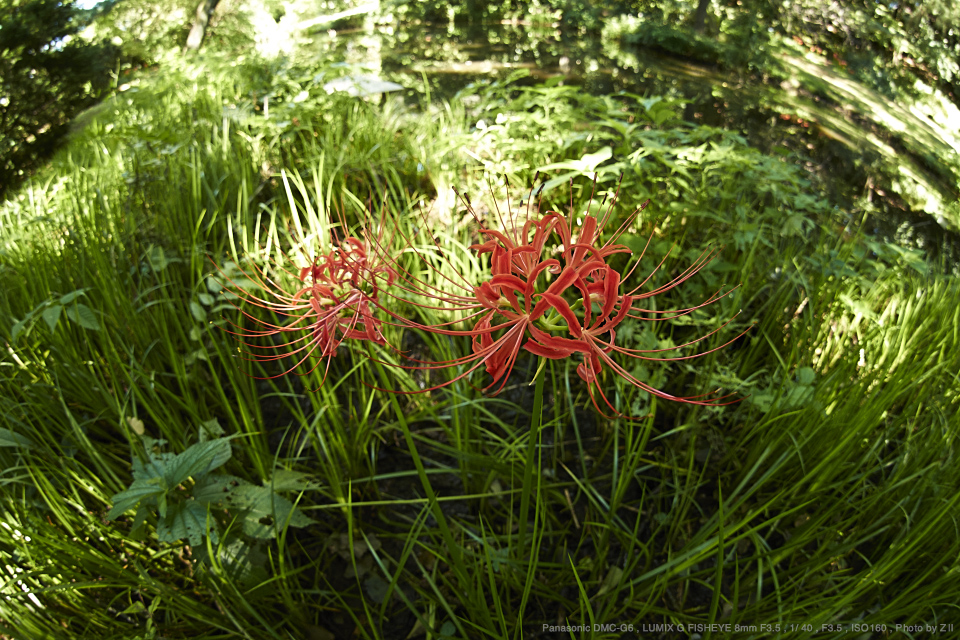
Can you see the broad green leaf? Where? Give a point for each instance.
(67, 298)
(587, 163)
(51, 315)
(206, 299)
(131, 497)
(215, 489)
(213, 286)
(83, 316)
(267, 512)
(806, 375)
(153, 467)
(198, 460)
(10, 439)
(210, 429)
(377, 589)
(157, 259)
(139, 518)
(186, 520)
(198, 312)
(286, 480)
(240, 560)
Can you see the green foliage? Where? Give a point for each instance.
(158, 485)
(149, 29)
(50, 311)
(47, 76)
(830, 488)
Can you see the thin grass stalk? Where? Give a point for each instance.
(536, 420)
(456, 559)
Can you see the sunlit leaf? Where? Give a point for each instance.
(186, 520)
(10, 439)
(83, 316)
(51, 315)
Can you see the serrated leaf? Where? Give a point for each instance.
(215, 489)
(198, 312)
(67, 298)
(10, 439)
(198, 460)
(139, 518)
(286, 480)
(243, 562)
(153, 467)
(83, 316)
(139, 491)
(186, 520)
(210, 429)
(51, 315)
(260, 503)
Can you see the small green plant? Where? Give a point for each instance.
(51, 309)
(182, 489)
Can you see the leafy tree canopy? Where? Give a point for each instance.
(47, 76)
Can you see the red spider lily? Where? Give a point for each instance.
(336, 303)
(524, 302)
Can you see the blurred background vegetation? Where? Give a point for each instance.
(149, 150)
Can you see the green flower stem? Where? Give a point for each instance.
(536, 420)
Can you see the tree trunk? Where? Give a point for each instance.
(700, 16)
(204, 10)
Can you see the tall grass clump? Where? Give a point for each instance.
(157, 483)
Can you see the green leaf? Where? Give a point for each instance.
(198, 312)
(153, 467)
(83, 316)
(127, 499)
(139, 518)
(186, 520)
(206, 299)
(377, 589)
(10, 439)
(157, 259)
(198, 460)
(213, 286)
(286, 480)
(266, 511)
(136, 607)
(210, 429)
(18, 328)
(215, 489)
(51, 315)
(67, 298)
(806, 376)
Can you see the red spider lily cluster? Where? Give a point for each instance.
(336, 302)
(552, 290)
